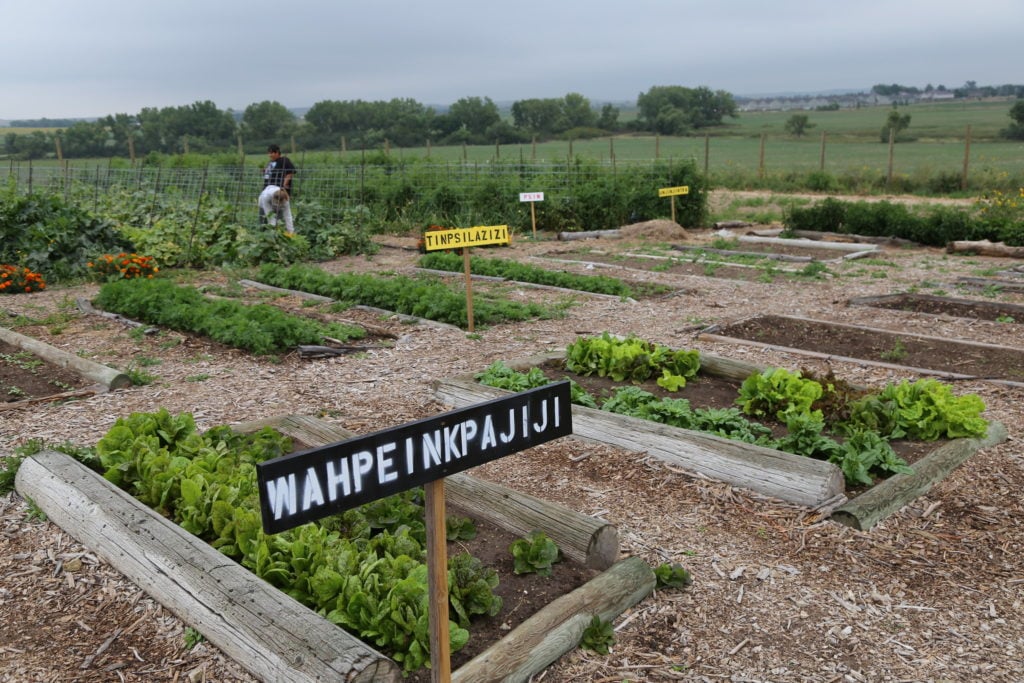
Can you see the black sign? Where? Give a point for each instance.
(311, 484)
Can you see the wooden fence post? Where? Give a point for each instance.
(821, 162)
(892, 145)
(707, 152)
(967, 157)
(760, 162)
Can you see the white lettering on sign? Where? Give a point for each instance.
(373, 468)
(531, 196)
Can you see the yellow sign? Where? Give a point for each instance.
(672, 191)
(465, 237)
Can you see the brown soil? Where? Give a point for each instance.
(24, 376)
(938, 305)
(523, 595)
(871, 344)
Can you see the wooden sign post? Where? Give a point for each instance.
(464, 238)
(312, 484)
(533, 198)
(673, 192)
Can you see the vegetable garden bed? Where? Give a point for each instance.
(793, 478)
(917, 353)
(274, 636)
(33, 371)
(944, 305)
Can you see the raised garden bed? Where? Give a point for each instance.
(919, 353)
(32, 372)
(278, 639)
(793, 478)
(944, 305)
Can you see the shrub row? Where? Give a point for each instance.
(997, 220)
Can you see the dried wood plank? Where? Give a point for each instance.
(802, 242)
(85, 306)
(752, 254)
(102, 375)
(557, 628)
(984, 248)
(588, 234)
(783, 475)
(994, 307)
(64, 395)
(584, 539)
(261, 628)
(867, 239)
(993, 283)
(281, 290)
(888, 496)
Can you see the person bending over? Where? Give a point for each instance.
(275, 205)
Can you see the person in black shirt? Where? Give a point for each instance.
(279, 170)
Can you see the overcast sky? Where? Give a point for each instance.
(84, 59)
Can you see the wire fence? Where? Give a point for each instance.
(390, 191)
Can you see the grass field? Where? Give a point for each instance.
(733, 152)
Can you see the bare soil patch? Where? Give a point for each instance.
(938, 305)
(872, 344)
(24, 376)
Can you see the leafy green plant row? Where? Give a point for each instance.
(363, 570)
(258, 328)
(521, 272)
(997, 218)
(422, 297)
(864, 422)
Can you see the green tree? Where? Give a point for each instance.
(1015, 131)
(577, 112)
(895, 122)
(268, 120)
(538, 116)
(675, 110)
(609, 118)
(798, 124)
(474, 114)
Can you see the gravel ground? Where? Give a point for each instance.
(933, 593)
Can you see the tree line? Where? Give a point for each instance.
(404, 122)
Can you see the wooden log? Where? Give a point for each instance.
(588, 234)
(801, 242)
(991, 283)
(793, 478)
(261, 628)
(290, 292)
(984, 248)
(62, 396)
(995, 308)
(558, 628)
(724, 225)
(85, 306)
(752, 254)
(106, 377)
(886, 497)
(867, 239)
(582, 538)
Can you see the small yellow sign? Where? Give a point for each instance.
(465, 237)
(672, 191)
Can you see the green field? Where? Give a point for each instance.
(932, 157)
